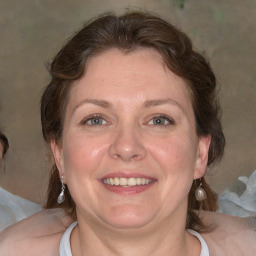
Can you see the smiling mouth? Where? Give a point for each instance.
(127, 182)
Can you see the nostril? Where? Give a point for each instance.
(127, 157)
(136, 157)
(126, 144)
(127, 152)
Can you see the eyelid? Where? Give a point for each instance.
(88, 118)
(168, 118)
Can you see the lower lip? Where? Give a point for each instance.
(128, 190)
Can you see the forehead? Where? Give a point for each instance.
(126, 82)
(142, 71)
(118, 62)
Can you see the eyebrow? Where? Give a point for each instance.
(101, 103)
(146, 104)
(153, 103)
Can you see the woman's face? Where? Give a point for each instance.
(129, 151)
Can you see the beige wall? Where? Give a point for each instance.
(31, 32)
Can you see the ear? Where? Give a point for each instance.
(57, 153)
(202, 156)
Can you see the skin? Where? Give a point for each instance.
(40, 234)
(130, 116)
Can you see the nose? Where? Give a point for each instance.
(127, 145)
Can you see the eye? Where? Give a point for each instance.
(161, 121)
(94, 121)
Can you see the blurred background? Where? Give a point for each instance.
(32, 32)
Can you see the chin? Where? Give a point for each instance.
(128, 218)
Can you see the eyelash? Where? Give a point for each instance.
(94, 116)
(167, 118)
(99, 116)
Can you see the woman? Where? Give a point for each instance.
(132, 119)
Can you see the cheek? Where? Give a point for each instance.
(82, 159)
(176, 156)
(82, 154)
(178, 148)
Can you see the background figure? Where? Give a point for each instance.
(4, 146)
(12, 208)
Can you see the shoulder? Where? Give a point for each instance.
(39, 234)
(230, 235)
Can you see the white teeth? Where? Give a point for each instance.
(132, 182)
(123, 182)
(111, 181)
(115, 181)
(138, 181)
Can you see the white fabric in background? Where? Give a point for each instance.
(241, 201)
(14, 208)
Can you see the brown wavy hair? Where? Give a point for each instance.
(4, 142)
(127, 33)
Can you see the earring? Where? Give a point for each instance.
(61, 197)
(200, 193)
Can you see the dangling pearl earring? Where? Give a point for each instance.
(200, 193)
(61, 197)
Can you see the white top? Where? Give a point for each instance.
(14, 208)
(65, 249)
(204, 247)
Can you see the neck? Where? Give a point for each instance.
(170, 239)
